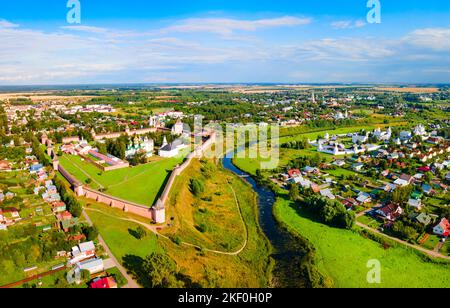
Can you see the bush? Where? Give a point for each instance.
(330, 212)
(197, 187)
(202, 228)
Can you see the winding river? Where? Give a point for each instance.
(288, 250)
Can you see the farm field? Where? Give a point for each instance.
(140, 184)
(345, 263)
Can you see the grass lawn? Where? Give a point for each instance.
(250, 165)
(342, 255)
(446, 248)
(431, 242)
(117, 235)
(369, 221)
(140, 184)
(57, 280)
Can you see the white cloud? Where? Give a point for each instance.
(84, 54)
(343, 49)
(226, 26)
(7, 24)
(430, 38)
(88, 29)
(348, 24)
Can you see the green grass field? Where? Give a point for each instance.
(140, 184)
(116, 234)
(342, 255)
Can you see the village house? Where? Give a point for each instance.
(423, 219)
(407, 178)
(294, 173)
(401, 182)
(93, 266)
(67, 221)
(58, 207)
(349, 202)
(390, 212)
(415, 203)
(357, 166)
(5, 165)
(103, 283)
(10, 216)
(363, 198)
(339, 163)
(443, 228)
(82, 252)
(327, 194)
(36, 168)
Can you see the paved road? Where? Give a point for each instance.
(431, 253)
(131, 283)
(109, 263)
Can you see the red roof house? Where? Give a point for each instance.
(104, 283)
(443, 228)
(293, 173)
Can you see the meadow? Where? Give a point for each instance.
(140, 184)
(342, 255)
(118, 237)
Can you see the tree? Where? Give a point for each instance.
(294, 193)
(401, 194)
(91, 233)
(140, 233)
(161, 271)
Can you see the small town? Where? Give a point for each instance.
(244, 150)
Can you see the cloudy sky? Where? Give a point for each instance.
(173, 41)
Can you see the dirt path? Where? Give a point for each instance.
(154, 230)
(431, 253)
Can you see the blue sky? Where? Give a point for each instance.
(224, 41)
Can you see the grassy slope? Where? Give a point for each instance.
(342, 255)
(140, 184)
(248, 269)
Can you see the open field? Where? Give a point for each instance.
(118, 237)
(342, 255)
(44, 96)
(140, 184)
(410, 90)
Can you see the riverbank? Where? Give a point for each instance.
(338, 258)
(341, 256)
(291, 255)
